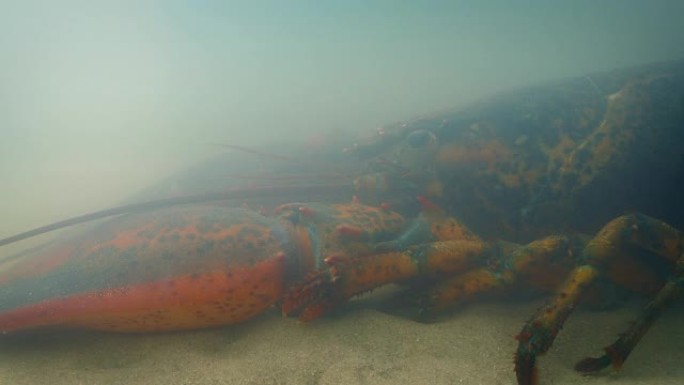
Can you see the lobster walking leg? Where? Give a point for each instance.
(347, 277)
(631, 230)
(539, 264)
(617, 353)
(440, 245)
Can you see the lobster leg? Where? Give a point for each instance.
(617, 353)
(630, 230)
(479, 267)
(539, 264)
(347, 277)
(433, 243)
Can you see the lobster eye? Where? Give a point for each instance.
(420, 138)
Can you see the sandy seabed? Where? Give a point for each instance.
(360, 345)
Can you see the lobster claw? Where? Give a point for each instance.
(318, 294)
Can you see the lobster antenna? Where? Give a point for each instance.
(259, 192)
(281, 158)
(259, 153)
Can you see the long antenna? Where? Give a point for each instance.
(256, 192)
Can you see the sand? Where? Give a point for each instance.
(358, 345)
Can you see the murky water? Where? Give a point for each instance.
(103, 105)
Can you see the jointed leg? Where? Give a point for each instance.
(631, 230)
(347, 277)
(617, 353)
(540, 264)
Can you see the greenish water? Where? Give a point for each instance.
(99, 102)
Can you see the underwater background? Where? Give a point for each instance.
(100, 100)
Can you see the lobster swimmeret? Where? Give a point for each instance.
(207, 265)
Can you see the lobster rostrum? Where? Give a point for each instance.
(563, 159)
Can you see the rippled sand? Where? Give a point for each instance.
(360, 345)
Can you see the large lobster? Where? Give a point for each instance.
(546, 160)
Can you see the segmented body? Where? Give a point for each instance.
(565, 158)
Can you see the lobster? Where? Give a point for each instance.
(491, 181)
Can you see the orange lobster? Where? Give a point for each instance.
(203, 266)
(182, 268)
(158, 268)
